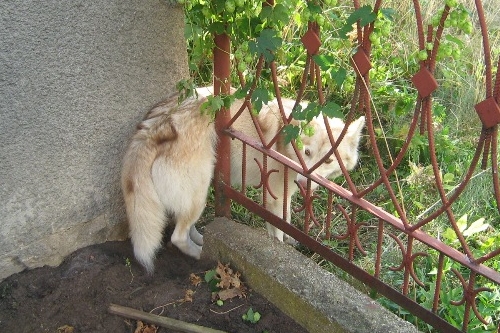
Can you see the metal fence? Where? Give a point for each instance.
(353, 216)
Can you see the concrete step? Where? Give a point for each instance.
(313, 297)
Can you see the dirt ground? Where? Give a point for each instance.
(75, 296)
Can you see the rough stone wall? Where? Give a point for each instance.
(75, 78)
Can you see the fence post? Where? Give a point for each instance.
(222, 71)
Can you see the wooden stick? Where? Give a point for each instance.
(159, 320)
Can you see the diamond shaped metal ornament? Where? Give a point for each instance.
(425, 82)
(489, 112)
(311, 42)
(361, 62)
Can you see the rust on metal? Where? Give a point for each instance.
(222, 72)
(425, 82)
(311, 41)
(361, 62)
(489, 112)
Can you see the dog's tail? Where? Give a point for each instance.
(146, 213)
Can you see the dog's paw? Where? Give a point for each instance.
(290, 240)
(274, 232)
(187, 246)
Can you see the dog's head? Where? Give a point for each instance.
(318, 145)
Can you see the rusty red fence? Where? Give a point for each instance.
(353, 202)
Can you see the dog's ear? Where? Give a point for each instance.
(354, 131)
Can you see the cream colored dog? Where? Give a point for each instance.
(169, 164)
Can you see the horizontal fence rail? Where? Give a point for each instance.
(352, 225)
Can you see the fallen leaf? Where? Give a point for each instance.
(235, 281)
(66, 329)
(224, 272)
(188, 297)
(229, 284)
(230, 293)
(139, 327)
(195, 279)
(145, 328)
(150, 329)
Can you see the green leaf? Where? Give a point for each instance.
(266, 44)
(448, 177)
(281, 13)
(314, 8)
(217, 27)
(345, 30)
(278, 13)
(365, 15)
(339, 76)
(307, 114)
(462, 223)
(228, 100)
(259, 97)
(475, 227)
(241, 92)
(219, 5)
(189, 31)
(389, 13)
(209, 275)
(325, 62)
(251, 316)
(186, 89)
(212, 285)
(332, 110)
(455, 40)
(250, 313)
(266, 12)
(212, 105)
(449, 235)
(291, 132)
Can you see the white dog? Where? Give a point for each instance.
(169, 164)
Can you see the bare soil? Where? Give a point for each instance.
(75, 296)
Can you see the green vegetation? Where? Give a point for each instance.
(274, 33)
(251, 316)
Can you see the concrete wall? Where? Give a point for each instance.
(75, 77)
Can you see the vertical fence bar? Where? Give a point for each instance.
(222, 71)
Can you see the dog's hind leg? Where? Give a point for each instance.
(183, 190)
(185, 229)
(183, 241)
